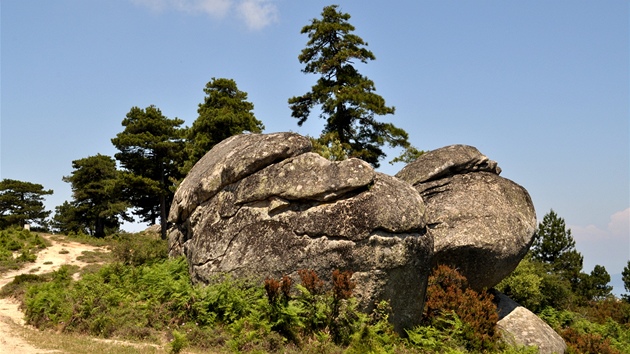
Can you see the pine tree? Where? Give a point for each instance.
(97, 197)
(599, 283)
(224, 112)
(22, 203)
(555, 247)
(151, 152)
(347, 98)
(625, 276)
(67, 220)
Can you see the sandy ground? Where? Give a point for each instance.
(48, 260)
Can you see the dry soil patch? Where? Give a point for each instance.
(48, 260)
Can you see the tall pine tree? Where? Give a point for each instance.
(555, 247)
(22, 203)
(625, 276)
(97, 197)
(347, 98)
(223, 113)
(151, 152)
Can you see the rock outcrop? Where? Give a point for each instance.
(260, 206)
(519, 326)
(263, 206)
(482, 224)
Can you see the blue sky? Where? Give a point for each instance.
(542, 87)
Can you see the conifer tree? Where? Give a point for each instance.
(151, 153)
(22, 203)
(97, 197)
(67, 220)
(625, 276)
(224, 112)
(347, 98)
(600, 278)
(555, 247)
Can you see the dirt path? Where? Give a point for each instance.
(50, 259)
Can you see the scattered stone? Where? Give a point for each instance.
(519, 326)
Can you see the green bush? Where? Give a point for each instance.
(18, 286)
(143, 302)
(49, 305)
(140, 248)
(24, 243)
(179, 342)
(584, 336)
(532, 286)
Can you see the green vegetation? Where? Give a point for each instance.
(625, 276)
(17, 247)
(549, 281)
(145, 300)
(98, 204)
(347, 98)
(22, 203)
(143, 296)
(151, 149)
(223, 113)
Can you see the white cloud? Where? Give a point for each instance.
(218, 8)
(258, 13)
(215, 8)
(619, 224)
(608, 246)
(618, 228)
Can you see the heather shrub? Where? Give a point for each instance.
(606, 309)
(584, 336)
(586, 343)
(447, 292)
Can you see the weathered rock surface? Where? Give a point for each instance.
(519, 326)
(262, 205)
(482, 224)
(229, 161)
(445, 162)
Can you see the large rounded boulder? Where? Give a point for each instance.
(260, 206)
(482, 224)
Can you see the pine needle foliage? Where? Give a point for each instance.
(224, 112)
(347, 99)
(554, 246)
